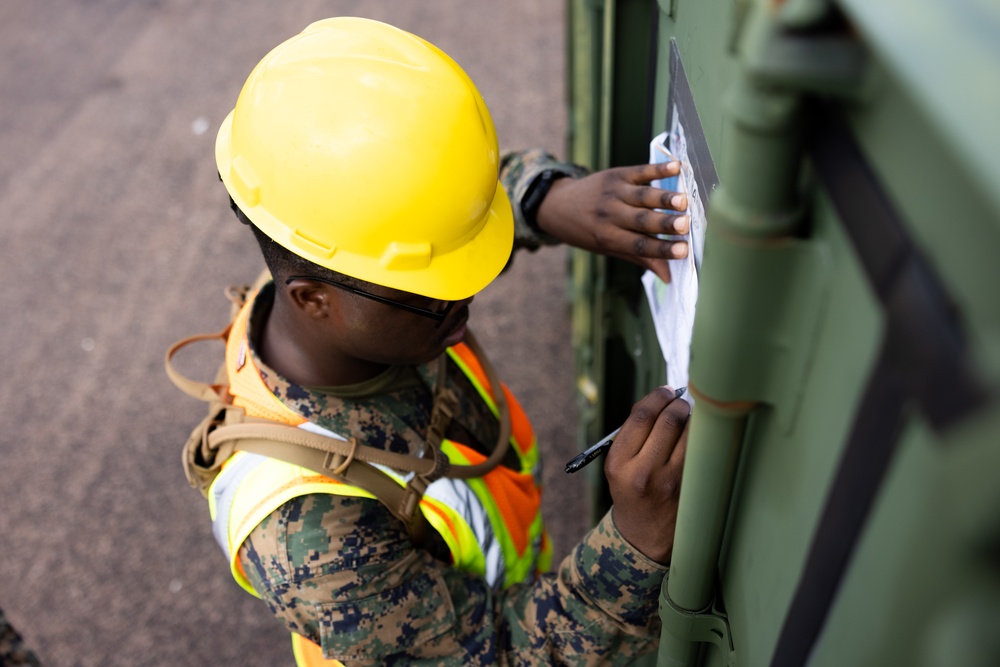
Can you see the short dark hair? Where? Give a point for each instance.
(282, 262)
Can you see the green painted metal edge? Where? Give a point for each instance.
(957, 83)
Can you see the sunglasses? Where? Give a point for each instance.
(436, 315)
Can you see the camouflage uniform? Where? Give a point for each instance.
(518, 171)
(343, 572)
(13, 652)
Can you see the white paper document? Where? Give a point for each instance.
(673, 304)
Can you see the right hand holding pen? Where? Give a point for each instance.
(643, 468)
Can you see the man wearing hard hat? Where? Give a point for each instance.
(368, 475)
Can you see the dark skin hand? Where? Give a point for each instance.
(643, 468)
(612, 212)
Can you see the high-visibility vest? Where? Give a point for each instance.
(492, 525)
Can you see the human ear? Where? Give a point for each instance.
(312, 299)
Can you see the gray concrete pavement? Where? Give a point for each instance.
(117, 241)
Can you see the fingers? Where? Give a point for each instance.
(644, 468)
(660, 267)
(649, 221)
(651, 246)
(615, 212)
(646, 196)
(644, 174)
(668, 437)
(642, 421)
(631, 245)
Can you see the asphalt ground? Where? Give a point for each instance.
(117, 240)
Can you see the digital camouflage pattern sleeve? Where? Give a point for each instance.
(13, 652)
(343, 572)
(518, 169)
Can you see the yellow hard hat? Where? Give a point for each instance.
(367, 150)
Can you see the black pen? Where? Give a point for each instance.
(602, 445)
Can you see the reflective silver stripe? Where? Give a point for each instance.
(224, 492)
(459, 496)
(319, 430)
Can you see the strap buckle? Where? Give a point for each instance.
(332, 457)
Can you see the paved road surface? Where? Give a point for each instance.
(117, 241)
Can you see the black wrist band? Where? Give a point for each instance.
(535, 194)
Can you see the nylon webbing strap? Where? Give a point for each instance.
(345, 461)
(200, 390)
(346, 470)
(322, 445)
(923, 350)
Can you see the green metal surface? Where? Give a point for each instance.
(945, 56)
(788, 327)
(610, 97)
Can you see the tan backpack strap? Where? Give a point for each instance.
(346, 469)
(237, 296)
(200, 390)
(345, 461)
(323, 446)
(201, 465)
(221, 433)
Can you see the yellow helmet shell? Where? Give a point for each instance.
(367, 150)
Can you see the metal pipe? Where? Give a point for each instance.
(709, 471)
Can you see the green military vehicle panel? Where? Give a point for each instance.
(839, 504)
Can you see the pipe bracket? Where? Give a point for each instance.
(710, 626)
